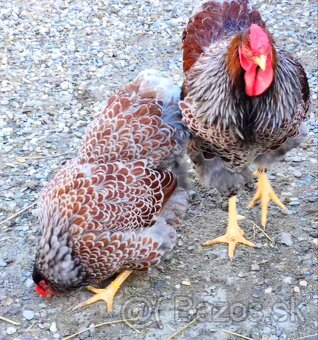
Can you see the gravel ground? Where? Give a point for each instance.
(59, 62)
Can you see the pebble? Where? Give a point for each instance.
(193, 194)
(3, 263)
(268, 290)
(303, 283)
(285, 238)
(315, 241)
(28, 314)
(288, 280)
(296, 289)
(53, 327)
(294, 201)
(273, 337)
(186, 282)
(92, 329)
(297, 174)
(313, 235)
(29, 283)
(11, 330)
(255, 267)
(84, 335)
(295, 159)
(242, 274)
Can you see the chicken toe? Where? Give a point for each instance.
(234, 234)
(107, 294)
(264, 194)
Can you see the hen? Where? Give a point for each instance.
(245, 100)
(112, 208)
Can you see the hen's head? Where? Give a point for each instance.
(42, 286)
(56, 270)
(256, 56)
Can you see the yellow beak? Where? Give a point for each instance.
(261, 61)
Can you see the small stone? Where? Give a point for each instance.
(65, 85)
(315, 242)
(255, 267)
(268, 290)
(295, 159)
(285, 238)
(192, 312)
(193, 194)
(241, 274)
(294, 201)
(297, 174)
(53, 327)
(273, 337)
(296, 289)
(180, 243)
(84, 335)
(177, 286)
(3, 263)
(288, 280)
(29, 283)
(28, 314)
(92, 329)
(11, 330)
(303, 283)
(186, 282)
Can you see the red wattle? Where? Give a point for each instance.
(258, 81)
(41, 291)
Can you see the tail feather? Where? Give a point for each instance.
(168, 96)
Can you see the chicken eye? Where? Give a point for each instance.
(246, 51)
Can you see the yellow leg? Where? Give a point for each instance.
(264, 194)
(107, 294)
(234, 234)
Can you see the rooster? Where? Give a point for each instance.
(112, 208)
(245, 100)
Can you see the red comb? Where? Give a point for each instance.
(259, 40)
(41, 291)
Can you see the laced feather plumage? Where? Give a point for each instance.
(113, 207)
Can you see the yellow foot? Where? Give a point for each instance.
(264, 193)
(234, 234)
(107, 294)
(232, 237)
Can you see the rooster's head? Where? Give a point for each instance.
(256, 57)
